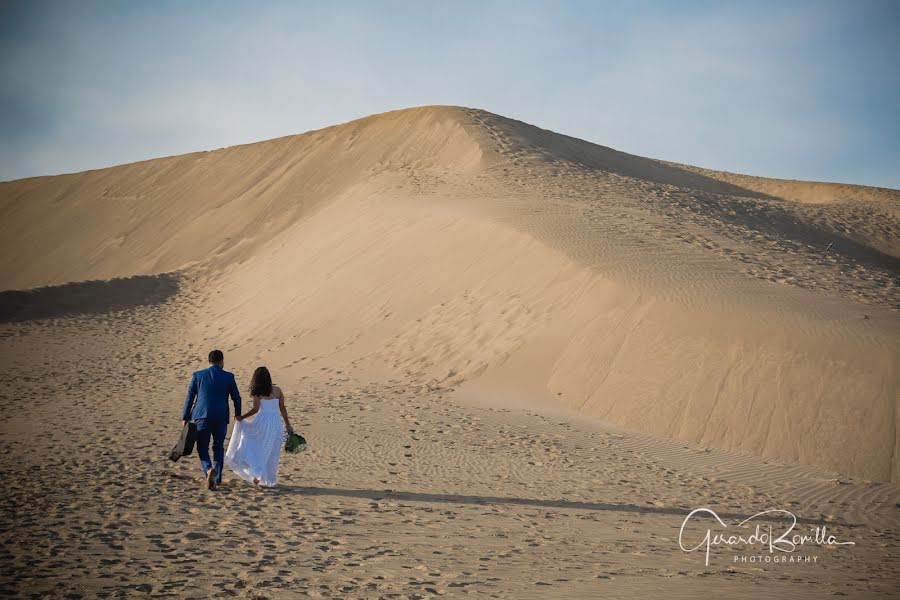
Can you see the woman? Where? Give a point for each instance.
(256, 442)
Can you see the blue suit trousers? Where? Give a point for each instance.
(215, 429)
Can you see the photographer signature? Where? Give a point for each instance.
(777, 541)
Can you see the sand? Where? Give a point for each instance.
(520, 359)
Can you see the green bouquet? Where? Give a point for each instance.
(294, 442)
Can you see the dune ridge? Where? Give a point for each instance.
(445, 246)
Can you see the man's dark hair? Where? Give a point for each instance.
(216, 356)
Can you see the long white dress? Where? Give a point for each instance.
(256, 443)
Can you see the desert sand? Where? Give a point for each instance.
(520, 359)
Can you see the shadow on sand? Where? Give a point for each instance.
(87, 297)
(526, 502)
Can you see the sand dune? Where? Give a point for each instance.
(167, 214)
(444, 269)
(441, 241)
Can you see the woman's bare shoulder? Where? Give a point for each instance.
(276, 391)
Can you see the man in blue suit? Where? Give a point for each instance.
(211, 387)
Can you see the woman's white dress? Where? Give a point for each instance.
(256, 443)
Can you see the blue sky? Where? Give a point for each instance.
(805, 90)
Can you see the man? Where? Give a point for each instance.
(211, 387)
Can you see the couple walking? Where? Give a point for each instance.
(257, 436)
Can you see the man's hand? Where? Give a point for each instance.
(183, 423)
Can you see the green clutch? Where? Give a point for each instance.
(294, 442)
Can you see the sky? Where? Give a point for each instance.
(794, 89)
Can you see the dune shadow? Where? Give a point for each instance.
(539, 503)
(87, 297)
(782, 220)
(557, 146)
(715, 200)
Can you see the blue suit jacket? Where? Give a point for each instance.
(211, 387)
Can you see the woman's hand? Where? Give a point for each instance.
(238, 417)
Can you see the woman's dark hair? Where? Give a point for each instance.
(261, 383)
